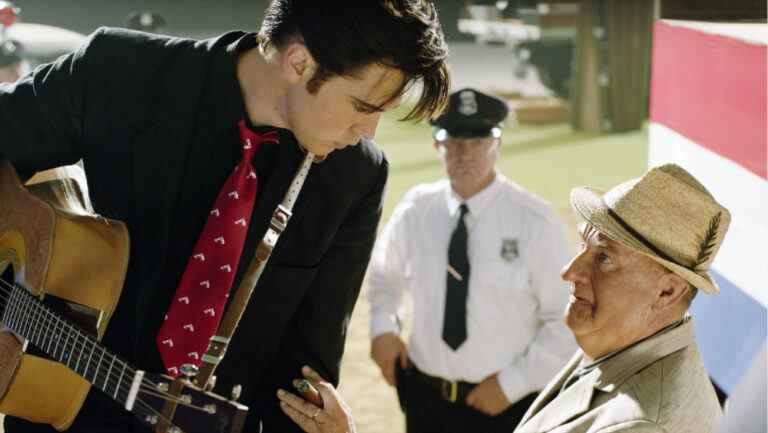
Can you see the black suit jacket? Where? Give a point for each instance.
(128, 104)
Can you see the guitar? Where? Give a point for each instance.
(61, 274)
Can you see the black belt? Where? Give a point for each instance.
(453, 391)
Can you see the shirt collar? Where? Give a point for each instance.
(478, 202)
(615, 369)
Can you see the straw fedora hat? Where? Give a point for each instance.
(667, 215)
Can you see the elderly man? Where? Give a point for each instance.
(648, 245)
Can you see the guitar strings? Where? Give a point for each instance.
(147, 387)
(69, 342)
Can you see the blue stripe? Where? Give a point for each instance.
(730, 330)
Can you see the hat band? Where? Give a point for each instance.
(644, 241)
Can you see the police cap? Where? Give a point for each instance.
(470, 114)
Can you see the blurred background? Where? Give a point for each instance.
(599, 90)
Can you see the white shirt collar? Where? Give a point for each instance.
(478, 202)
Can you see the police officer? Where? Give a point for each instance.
(480, 257)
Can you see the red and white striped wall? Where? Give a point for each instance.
(708, 114)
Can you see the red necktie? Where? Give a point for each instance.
(196, 308)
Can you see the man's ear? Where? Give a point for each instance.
(670, 291)
(297, 63)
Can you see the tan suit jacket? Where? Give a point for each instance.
(658, 386)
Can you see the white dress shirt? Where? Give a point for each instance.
(516, 298)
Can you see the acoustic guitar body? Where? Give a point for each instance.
(76, 262)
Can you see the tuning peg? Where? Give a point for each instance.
(211, 384)
(236, 391)
(189, 371)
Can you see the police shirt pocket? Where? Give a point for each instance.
(507, 276)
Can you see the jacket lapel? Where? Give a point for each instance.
(553, 408)
(624, 365)
(553, 387)
(160, 149)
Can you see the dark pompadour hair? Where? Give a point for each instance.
(345, 36)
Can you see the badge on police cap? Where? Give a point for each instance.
(468, 104)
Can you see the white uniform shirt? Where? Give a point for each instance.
(516, 298)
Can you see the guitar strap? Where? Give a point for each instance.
(219, 342)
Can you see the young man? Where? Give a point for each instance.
(158, 122)
(479, 256)
(648, 246)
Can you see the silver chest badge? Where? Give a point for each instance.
(509, 251)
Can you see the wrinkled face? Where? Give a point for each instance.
(469, 161)
(343, 110)
(612, 291)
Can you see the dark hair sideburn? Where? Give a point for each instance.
(345, 36)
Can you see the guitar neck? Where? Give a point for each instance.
(64, 342)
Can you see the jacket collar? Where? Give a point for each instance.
(551, 410)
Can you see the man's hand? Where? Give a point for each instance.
(488, 397)
(334, 417)
(386, 349)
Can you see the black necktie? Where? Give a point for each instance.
(457, 284)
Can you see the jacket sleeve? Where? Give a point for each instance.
(327, 308)
(316, 334)
(42, 114)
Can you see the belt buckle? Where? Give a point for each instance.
(450, 390)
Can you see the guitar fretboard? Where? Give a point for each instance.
(64, 342)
